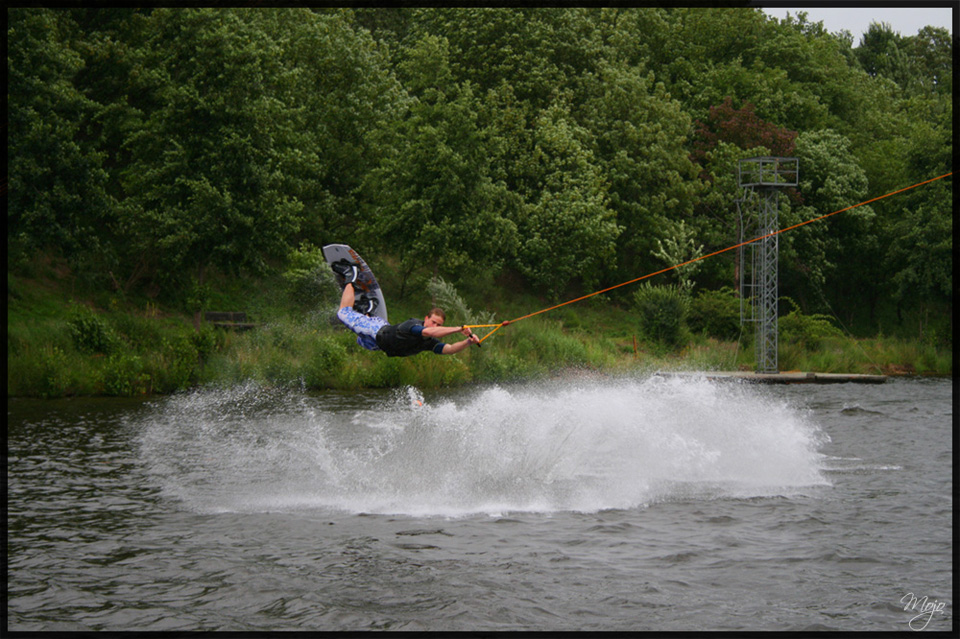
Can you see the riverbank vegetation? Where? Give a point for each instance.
(63, 341)
(167, 162)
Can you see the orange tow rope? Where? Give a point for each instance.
(696, 259)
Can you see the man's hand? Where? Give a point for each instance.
(449, 349)
(473, 339)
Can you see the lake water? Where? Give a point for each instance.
(577, 504)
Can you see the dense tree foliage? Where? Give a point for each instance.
(56, 175)
(568, 146)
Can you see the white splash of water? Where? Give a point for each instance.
(584, 446)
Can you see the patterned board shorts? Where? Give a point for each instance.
(364, 326)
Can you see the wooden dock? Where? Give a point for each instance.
(791, 377)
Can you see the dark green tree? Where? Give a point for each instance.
(207, 181)
(434, 202)
(341, 93)
(57, 182)
(919, 258)
(639, 137)
(538, 51)
(567, 230)
(931, 51)
(830, 179)
(880, 53)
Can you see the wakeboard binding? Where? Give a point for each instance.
(346, 271)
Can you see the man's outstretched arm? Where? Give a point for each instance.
(450, 349)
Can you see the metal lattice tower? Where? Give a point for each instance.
(761, 179)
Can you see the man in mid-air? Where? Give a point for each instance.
(395, 340)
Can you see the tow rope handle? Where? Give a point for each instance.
(495, 327)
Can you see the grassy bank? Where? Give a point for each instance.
(61, 342)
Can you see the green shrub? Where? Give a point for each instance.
(939, 333)
(715, 314)
(49, 376)
(179, 361)
(279, 369)
(386, 373)
(555, 347)
(281, 336)
(806, 330)
(207, 341)
(142, 333)
(662, 313)
(125, 375)
(504, 365)
(328, 353)
(308, 278)
(91, 333)
(324, 363)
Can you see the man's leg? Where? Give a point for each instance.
(364, 326)
(349, 300)
(349, 297)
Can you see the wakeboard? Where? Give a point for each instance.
(366, 282)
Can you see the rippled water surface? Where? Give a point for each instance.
(594, 504)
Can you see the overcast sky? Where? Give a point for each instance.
(856, 20)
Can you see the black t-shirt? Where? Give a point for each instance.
(401, 340)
